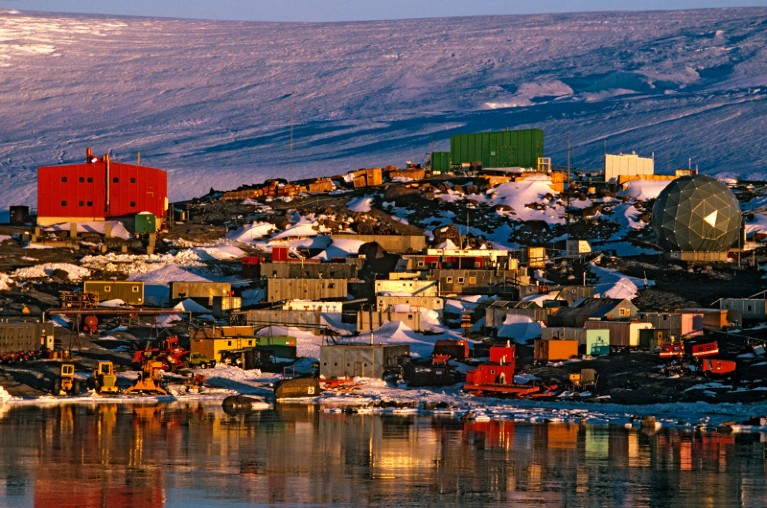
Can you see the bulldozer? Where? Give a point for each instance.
(66, 384)
(150, 379)
(104, 380)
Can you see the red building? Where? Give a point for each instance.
(98, 190)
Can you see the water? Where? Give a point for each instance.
(193, 454)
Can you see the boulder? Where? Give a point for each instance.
(444, 233)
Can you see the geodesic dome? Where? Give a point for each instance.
(697, 214)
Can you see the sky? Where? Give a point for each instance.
(350, 10)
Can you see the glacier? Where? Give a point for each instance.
(220, 103)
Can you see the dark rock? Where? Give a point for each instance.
(444, 233)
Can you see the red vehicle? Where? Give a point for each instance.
(497, 375)
(168, 351)
(669, 351)
(703, 349)
(711, 366)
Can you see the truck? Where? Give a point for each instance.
(197, 359)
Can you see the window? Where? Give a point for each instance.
(134, 289)
(472, 280)
(624, 312)
(133, 204)
(132, 180)
(331, 285)
(421, 264)
(81, 203)
(460, 280)
(449, 280)
(90, 179)
(90, 203)
(107, 289)
(63, 179)
(81, 179)
(229, 343)
(115, 180)
(63, 203)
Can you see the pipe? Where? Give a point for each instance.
(106, 161)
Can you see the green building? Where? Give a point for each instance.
(504, 149)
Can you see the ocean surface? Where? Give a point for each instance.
(194, 454)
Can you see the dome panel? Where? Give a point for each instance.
(696, 213)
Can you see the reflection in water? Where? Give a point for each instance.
(174, 454)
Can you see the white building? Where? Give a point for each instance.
(627, 165)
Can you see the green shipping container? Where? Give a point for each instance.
(145, 223)
(440, 161)
(504, 149)
(282, 346)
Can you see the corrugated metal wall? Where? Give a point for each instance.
(294, 269)
(440, 161)
(205, 290)
(79, 191)
(358, 360)
(129, 292)
(503, 149)
(306, 289)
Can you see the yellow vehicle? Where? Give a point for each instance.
(149, 379)
(66, 384)
(104, 380)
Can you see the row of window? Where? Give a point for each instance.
(329, 285)
(449, 280)
(89, 179)
(90, 203)
(108, 289)
(229, 343)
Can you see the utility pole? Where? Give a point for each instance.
(567, 189)
(292, 107)
(370, 317)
